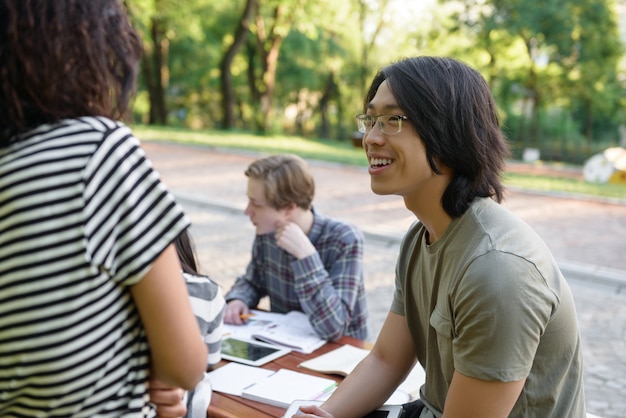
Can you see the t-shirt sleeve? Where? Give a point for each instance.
(502, 306)
(131, 217)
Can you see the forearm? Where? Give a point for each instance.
(244, 290)
(356, 396)
(328, 302)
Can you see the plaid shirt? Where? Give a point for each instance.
(327, 286)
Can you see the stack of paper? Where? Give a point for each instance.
(233, 378)
(291, 330)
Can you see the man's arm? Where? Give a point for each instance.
(327, 294)
(388, 364)
(469, 397)
(244, 294)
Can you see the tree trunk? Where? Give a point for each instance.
(588, 123)
(156, 73)
(269, 46)
(330, 91)
(228, 95)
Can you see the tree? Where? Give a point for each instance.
(241, 33)
(592, 68)
(153, 26)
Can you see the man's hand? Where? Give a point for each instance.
(291, 238)
(312, 411)
(168, 399)
(234, 310)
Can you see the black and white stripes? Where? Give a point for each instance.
(82, 217)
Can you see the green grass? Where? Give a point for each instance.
(344, 152)
(565, 185)
(323, 150)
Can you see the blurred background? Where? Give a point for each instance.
(301, 67)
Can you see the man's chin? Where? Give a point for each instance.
(379, 189)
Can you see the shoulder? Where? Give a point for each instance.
(338, 230)
(202, 287)
(508, 278)
(75, 132)
(412, 238)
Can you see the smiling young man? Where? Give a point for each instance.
(479, 299)
(301, 259)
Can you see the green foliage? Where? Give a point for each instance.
(554, 67)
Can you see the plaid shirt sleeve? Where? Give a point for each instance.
(246, 287)
(329, 283)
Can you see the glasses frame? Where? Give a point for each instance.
(366, 128)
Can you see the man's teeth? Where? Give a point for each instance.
(379, 162)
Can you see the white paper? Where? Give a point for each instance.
(291, 330)
(233, 378)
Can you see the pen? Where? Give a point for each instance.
(246, 316)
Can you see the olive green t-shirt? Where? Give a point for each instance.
(488, 300)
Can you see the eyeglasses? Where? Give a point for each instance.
(388, 124)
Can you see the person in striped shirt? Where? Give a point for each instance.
(92, 299)
(207, 303)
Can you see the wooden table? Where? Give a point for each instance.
(224, 405)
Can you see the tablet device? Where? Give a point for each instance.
(385, 411)
(253, 353)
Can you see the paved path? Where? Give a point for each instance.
(587, 239)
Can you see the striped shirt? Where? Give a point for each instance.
(207, 303)
(327, 286)
(82, 217)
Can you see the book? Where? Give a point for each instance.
(291, 330)
(344, 359)
(340, 361)
(285, 386)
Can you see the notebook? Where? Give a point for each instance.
(285, 386)
(344, 359)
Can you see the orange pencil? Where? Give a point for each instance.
(246, 316)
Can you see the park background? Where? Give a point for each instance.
(267, 76)
(299, 68)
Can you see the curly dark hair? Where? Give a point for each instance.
(455, 115)
(63, 59)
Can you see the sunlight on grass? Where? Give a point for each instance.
(323, 150)
(564, 185)
(343, 152)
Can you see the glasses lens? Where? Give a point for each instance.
(390, 124)
(365, 123)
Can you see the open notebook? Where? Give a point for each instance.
(344, 359)
(291, 330)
